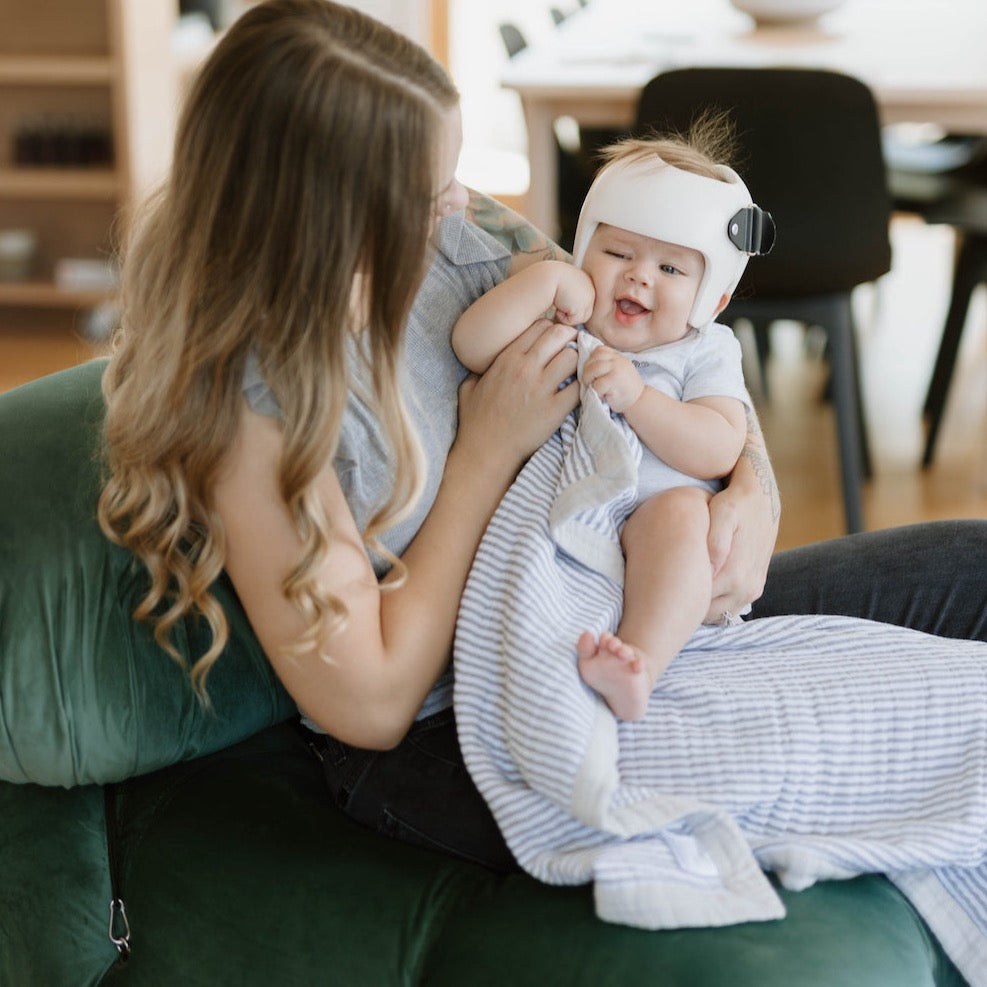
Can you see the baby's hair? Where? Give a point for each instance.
(709, 143)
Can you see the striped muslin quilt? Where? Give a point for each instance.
(815, 747)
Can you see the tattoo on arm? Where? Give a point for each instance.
(512, 230)
(755, 451)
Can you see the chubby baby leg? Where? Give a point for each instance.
(667, 585)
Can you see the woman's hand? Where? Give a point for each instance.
(520, 401)
(744, 519)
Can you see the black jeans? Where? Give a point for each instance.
(930, 577)
(419, 792)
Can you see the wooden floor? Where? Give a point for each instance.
(900, 321)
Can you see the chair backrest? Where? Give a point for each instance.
(809, 147)
(514, 40)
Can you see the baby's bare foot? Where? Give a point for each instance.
(617, 671)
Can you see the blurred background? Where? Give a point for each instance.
(88, 93)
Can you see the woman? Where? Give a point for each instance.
(268, 411)
(315, 155)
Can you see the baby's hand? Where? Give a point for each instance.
(574, 297)
(614, 377)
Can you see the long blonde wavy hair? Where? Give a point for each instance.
(297, 212)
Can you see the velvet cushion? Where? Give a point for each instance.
(85, 693)
(237, 870)
(240, 871)
(55, 891)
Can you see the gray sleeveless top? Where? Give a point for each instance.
(467, 263)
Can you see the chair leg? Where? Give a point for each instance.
(866, 463)
(971, 270)
(845, 390)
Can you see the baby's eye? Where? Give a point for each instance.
(617, 254)
(668, 269)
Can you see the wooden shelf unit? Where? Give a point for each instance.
(61, 183)
(56, 70)
(45, 294)
(107, 63)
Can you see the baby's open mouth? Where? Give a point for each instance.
(630, 307)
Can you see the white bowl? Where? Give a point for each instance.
(786, 11)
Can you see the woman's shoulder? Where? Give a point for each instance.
(523, 241)
(467, 262)
(461, 242)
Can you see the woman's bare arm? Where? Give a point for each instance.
(744, 519)
(365, 682)
(526, 243)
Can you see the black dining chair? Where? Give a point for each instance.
(945, 182)
(809, 147)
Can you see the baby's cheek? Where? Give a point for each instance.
(598, 316)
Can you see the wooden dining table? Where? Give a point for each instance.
(925, 61)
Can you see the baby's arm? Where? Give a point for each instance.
(506, 310)
(702, 438)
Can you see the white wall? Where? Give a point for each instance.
(411, 17)
(492, 116)
(494, 142)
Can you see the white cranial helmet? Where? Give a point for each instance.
(655, 199)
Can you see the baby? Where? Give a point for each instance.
(663, 237)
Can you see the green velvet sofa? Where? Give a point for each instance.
(233, 867)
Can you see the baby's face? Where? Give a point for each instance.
(645, 288)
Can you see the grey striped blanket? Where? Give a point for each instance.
(812, 747)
